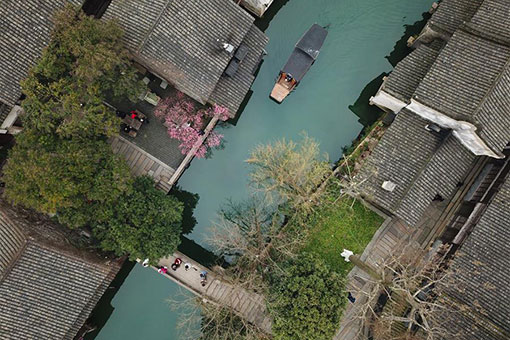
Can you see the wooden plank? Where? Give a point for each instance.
(158, 172)
(244, 303)
(385, 242)
(135, 160)
(143, 166)
(149, 165)
(154, 166)
(123, 149)
(132, 155)
(392, 242)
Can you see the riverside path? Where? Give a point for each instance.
(248, 305)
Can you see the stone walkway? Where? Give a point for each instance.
(247, 305)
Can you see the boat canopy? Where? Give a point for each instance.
(298, 64)
(305, 52)
(311, 42)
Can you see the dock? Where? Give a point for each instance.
(248, 305)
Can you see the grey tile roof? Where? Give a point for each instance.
(493, 115)
(408, 73)
(421, 163)
(25, 28)
(12, 240)
(484, 269)
(230, 91)
(493, 19)
(452, 13)
(400, 157)
(446, 168)
(49, 288)
(462, 75)
(177, 39)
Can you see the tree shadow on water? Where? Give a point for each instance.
(190, 201)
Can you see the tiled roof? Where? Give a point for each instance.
(462, 75)
(493, 19)
(493, 115)
(401, 155)
(484, 270)
(230, 91)
(408, 73)
(178, 39)
(446, 168)
(25, 28)
(421, 163)
(12, 240)
(452, 13)
(48, 288)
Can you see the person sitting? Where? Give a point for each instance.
(133, 114)
(288, 77)
(203, 275)
(176, 264)
(162, 270)
(203, 282)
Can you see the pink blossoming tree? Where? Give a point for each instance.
(186, 123)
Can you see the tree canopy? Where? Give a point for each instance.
(52, 175)
(84, 63)
(306, 301)
(143, 222)
(62, 162)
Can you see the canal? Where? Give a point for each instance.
(360, 48)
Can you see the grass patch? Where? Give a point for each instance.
(339, 226)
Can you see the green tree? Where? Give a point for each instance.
(143, 222)
(84, 64)
(57, 176)
(62, 163)
(306, 301)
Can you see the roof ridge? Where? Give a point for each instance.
(491, 89)
(11, 265)
(151, 29)
(468, 27)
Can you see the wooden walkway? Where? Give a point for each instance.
(142, 163)
(393, 234)
(248, 305)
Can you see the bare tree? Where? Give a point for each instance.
(244, 233)
(201, 319)
(407, 299)
(289, 172)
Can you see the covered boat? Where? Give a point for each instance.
(304, 55)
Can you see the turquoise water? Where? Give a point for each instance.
(361, 34)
